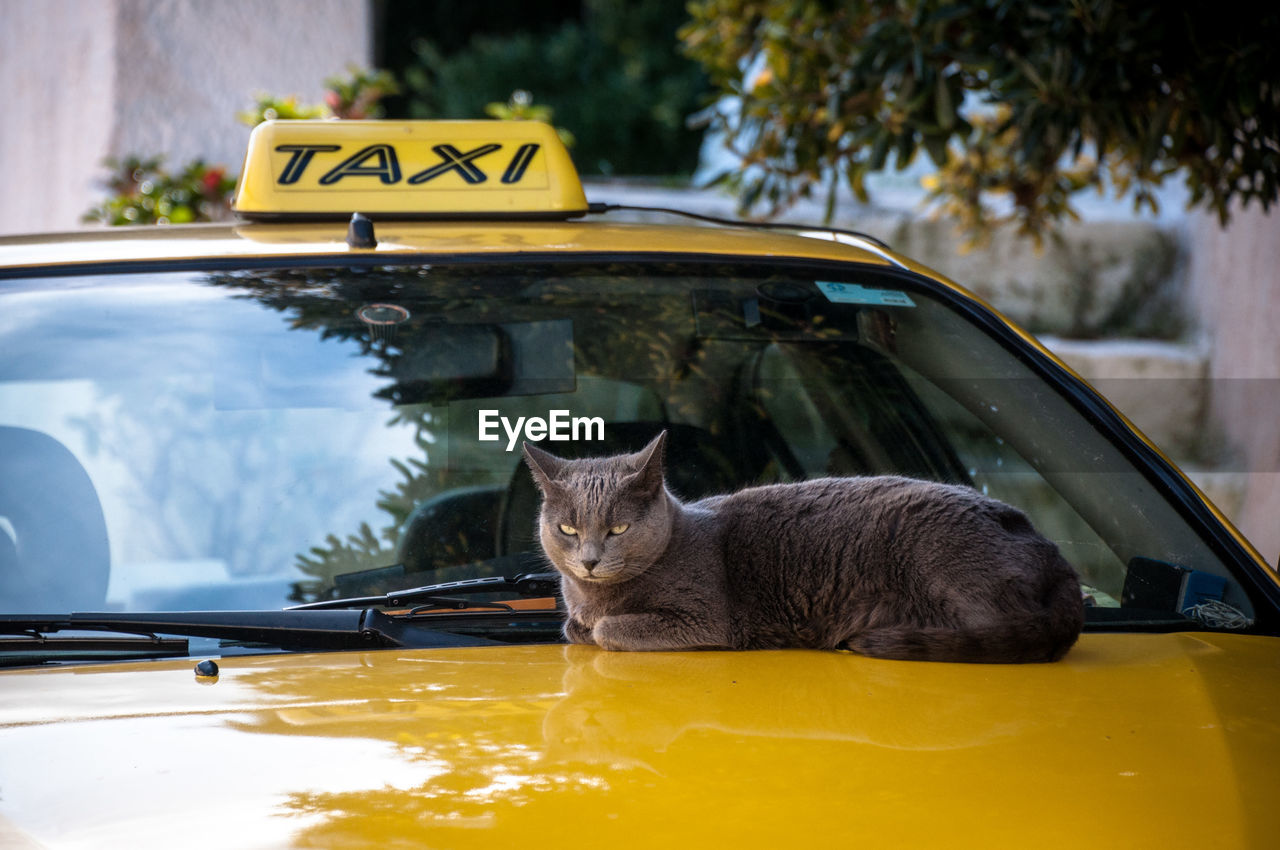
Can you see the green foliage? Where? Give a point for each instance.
(616, 80)
(522, 108)
(352, 97)
(270, 107)
(144, 192)
(359, 95)
(1031, 102)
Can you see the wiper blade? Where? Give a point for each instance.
(294, 630)
(448, 594)
(36, 648)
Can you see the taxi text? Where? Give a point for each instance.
(382, 161)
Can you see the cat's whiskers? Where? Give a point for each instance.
(605, 572)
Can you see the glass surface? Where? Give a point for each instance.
(255, 439)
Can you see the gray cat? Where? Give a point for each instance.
(885, 566)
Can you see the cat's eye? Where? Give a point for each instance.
(568, 529)
(619, 528)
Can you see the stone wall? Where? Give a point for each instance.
(1234, 286)
(95, 78)
(58, 58)
(1098, 279)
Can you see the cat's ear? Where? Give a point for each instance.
(544, 466)
(649, 464)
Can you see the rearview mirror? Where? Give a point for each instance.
(444, 362)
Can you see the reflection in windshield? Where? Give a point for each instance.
(255, 439)
(216, 439)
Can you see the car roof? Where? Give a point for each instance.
(595, 235)
(414, 188)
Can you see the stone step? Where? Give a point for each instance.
(1227, 489)
(1119, 280)
(1101, 278)
(1162, 387)
(1098, 279)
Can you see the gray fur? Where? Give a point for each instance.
(886, 566)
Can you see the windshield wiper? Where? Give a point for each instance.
(448, 594)
(38, 648)
(290, 630)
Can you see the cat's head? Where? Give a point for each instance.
(603, 519)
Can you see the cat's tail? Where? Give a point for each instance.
(1038, 637)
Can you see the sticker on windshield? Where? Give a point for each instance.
(852, 293)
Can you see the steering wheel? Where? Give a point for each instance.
(53, 542)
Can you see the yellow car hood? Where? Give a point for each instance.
(1133, 740)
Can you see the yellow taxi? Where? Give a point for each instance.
(269, 575)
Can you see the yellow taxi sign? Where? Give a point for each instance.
(407, 169)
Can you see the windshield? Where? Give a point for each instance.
(264, 438)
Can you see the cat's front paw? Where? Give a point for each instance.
(651, 633)
(576, 632)
(613, 633)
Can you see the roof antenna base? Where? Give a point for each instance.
(360, 232)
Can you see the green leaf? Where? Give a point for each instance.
(943, 108)
(906, 150)
(856, 178)
(936, 147)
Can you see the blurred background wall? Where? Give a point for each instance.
(90, 79)
(1235, 296)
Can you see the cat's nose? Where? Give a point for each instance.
(590, 563)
